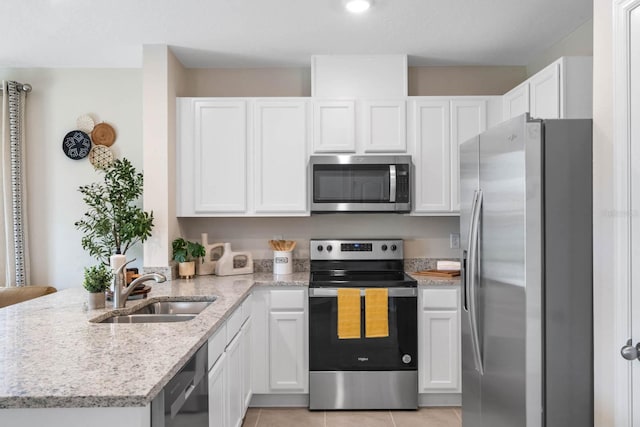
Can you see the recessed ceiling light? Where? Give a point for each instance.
(357, 6)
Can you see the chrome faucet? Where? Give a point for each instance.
(122, 292)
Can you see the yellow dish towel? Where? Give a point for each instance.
(376, 311)
(348, 313)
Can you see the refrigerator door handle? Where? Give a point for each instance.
(472, 274)
(466, 280)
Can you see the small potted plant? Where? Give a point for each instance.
(97, 280)
(185, 253)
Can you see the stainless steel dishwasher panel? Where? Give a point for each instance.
(184, 402)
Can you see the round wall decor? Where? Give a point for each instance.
(103, 134)
(76, 145)
(100, 156)
(85, 123)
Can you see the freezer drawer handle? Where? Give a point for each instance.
(630, 352)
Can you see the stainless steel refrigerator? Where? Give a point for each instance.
(526, 234)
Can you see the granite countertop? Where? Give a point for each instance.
(52, 355)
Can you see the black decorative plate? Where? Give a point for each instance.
(76, 145)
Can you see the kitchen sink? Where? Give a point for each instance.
(173, 307)
(161, 312)
(148, 318)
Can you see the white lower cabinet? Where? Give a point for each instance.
(230, 370)
(235, 401)
(439, 341)
(217, 393)
(280, 359)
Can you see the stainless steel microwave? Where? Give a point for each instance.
(360, 183)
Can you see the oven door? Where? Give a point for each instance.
(398, 351)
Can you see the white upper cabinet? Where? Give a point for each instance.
(439, 125)
(516, 101)
(544, 93)
(384, 126)
(280, 147)
(468, 119)
(432, 156)
(334, 126)
(242, 157)
(562, 90)
(212, 152)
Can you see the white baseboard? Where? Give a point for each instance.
(279, 401)
(302, 400)
(442, 399)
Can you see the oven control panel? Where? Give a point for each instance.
(372, 249)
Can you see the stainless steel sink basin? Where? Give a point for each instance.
(148, 318)
(161, 312)
(173, 307)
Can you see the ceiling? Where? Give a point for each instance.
(281, 33)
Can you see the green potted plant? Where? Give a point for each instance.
(97, 280)
(114, 221)
(185, 253)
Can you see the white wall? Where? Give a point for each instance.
(578, 43)
(606, 355)
(59, 96)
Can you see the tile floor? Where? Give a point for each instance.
(300, 417)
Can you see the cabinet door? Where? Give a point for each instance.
(220, 167)
(433, 154)
(468, 119)
(280, 161)
(235, 401)
(218, 393)
(544, 90)
(516, 101)
(334, 127)
(260, 341)
(287, 356)
(440, 369)
(439, 361)
(246, 365)
(384, 126)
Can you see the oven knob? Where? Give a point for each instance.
(394, 247)
(384, 247)
(329, 248)
(319, 248)
(406, 359)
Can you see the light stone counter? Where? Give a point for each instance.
(435, 281)
(51, 355)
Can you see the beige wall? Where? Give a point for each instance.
(453, 81)
(423, 81)
(578, 43)
(606, 356)
(249, 81)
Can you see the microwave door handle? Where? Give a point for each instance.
(392, 183)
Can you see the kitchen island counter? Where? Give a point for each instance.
(53, 356)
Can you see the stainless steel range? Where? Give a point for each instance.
(363, 339)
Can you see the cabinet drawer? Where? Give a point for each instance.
(216, 345)
(246, 308)
(234, 322)
(287, 299)
(439, 299)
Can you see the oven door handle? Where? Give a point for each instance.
(333, 292)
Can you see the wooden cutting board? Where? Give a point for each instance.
(438, 273)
